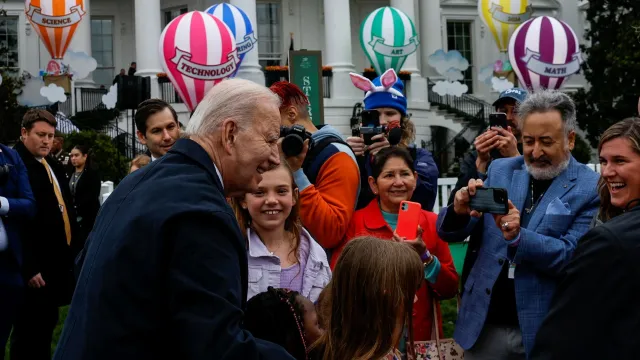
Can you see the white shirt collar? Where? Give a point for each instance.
(219, 175)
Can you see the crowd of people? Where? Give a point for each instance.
(224, 243)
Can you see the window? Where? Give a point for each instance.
(9, 42)
(269, 33)
(459, 38)
(102, 50)
(171, 14)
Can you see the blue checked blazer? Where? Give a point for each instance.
(546, 245)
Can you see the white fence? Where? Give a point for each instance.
(445, 187)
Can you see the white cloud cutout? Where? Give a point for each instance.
(501, 84)
(454, 75)
(53, 93)
(111, 98)
(80, 63)
(443, 62)
(486, 74)
(30, 95)
(450, 88)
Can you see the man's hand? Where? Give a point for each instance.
(509, 224)
(484, 144)
(37, 281)
(357, 145)
(379, 142)
(295, 162)
(463, 198)
(507, 142)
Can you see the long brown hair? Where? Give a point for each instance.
(292, 224)
(373, 280)
(628, 129)
(408, 131)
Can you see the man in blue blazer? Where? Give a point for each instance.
(552, 199)
(165, 273)
(16, 205)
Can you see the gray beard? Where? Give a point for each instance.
(548, 173)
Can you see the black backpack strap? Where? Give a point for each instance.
(310, 166)
(414, 152)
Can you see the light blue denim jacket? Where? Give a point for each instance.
(264, 268)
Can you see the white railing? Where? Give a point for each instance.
(446, 186)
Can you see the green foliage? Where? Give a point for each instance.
(94, 119)
(10, 111)
(104, 155)
(582, 151)
(612, 66)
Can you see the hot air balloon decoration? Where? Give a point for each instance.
(388, 37)
(197, 51)
(544, 52)
(503, 17)
(55, 22)
(241, 27)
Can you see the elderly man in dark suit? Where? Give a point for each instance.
(16, 206)
(47, 241)
(165, 271)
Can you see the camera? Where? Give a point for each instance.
(4, 173)
(294, 138)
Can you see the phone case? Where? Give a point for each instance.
(488, 200)
(408, 219)
(498, 120)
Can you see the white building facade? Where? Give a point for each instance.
(118, 32)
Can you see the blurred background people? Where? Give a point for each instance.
(596, 301)
(84, 184)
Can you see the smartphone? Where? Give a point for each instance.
(370, 118)
(498, 120)
(408, 219)
(490, 200)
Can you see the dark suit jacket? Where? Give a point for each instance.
(22, 207)
(594, 312)
(86, 203)
(45, 242)
(165, 271)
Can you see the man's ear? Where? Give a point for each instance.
(23, 133)
(229, 135)
(292, 114)
(141, 137)
(572, 140)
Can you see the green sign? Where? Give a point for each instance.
(305, 70)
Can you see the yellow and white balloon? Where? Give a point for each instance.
(503, 17)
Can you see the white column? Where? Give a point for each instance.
(148, 29)
(417, 87)
(337, 30)
(81, 42)
(250, 68)
(430, 33)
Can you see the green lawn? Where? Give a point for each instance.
(56, 333)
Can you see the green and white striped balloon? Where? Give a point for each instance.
(388, 36)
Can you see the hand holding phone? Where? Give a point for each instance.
(490, 200)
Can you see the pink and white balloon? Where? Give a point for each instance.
(544, 52)
(197, 50)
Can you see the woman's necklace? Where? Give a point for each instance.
(75, 177)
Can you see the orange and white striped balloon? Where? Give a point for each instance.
(55, 21)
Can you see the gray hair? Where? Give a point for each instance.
(549, 100)
(235, 99)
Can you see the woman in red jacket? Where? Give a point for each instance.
(394, 180)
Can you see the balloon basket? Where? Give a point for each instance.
(64, 81)
(509, 75)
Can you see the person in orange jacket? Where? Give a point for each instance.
(394, 180)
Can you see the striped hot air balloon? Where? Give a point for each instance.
(197, 51)
(55, 21)
(544, 52)
(503, 17)
(240, 25)
(388, 36)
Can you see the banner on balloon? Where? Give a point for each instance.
(503, 17)
(197, 51)
(388, 37)
(544, 52)
(240, 25)
(55, 22)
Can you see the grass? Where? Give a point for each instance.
(448, 307)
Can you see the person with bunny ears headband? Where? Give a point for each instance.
(385, 94)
